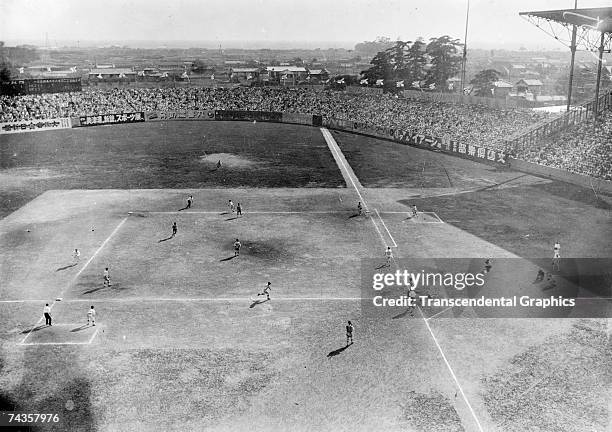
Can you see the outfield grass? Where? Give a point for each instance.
(524, 215)
(386, 164)
(527, 220)
(163, 155)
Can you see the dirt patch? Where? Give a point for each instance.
(561, 385)
(17, 177)
(430, 413)
(267, 250)
(229, 160)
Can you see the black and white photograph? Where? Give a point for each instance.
(315, 216)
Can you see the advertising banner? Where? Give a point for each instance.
(447, 145)
(249, 115)
(180, 115)
(441, 144)
(334, 123)
(106, 119)
(34, 125)
(304, 119)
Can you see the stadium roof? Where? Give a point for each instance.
(502, 84)
(579, 17)
(245, 70)
(587, 29)
(111, 71)
(285, 69)
(530, 82)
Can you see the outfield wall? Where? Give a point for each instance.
(445, 144)
(598, 185)
(406, 136)
(35, 125)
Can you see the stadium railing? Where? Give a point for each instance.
(534, 135)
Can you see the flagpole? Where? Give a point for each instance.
(467, 16)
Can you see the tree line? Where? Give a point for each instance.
(415, 64)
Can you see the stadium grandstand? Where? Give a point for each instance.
(581, 149)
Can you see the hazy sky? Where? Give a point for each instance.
(492, 22)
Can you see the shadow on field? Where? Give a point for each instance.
(40, 327)
(166, 239)
(232, 218)
(354, 216)
(78, 329)
(66, 267)
(337, 352)
(51, 385)
(258, 302)
(6, 403)
(228, 258)
(93, 290)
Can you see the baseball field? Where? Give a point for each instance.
(182, 339)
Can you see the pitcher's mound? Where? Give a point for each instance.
(229, 160)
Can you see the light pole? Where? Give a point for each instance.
(467, 16)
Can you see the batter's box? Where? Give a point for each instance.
(61, 334)
(425, 217)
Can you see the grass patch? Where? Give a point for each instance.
(562, 385)
(164, 155)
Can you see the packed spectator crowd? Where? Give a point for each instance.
(469, 124)
(584, 148)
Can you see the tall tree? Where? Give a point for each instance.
(5, 72)
(381, 68)
(397, 57)
(484, 82)
(415, 62)
(445, 60)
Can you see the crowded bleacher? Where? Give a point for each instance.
(583, 150)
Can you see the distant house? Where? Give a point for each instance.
(287, 74)
(529, 86)
(318, 75)
(453, 84)
(111, 74)
(501, 88)
(245, 73)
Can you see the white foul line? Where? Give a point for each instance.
(93, 336)
(55, 343)
(78, 274)
(450, 369)
(204, 299)
(331, 142)
(226, 213)
(324, 131)
(386, 229)
(439, 313)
